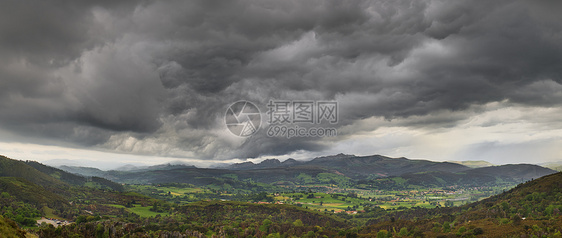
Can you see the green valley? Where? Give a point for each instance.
(298, 200)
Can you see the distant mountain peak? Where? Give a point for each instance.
(290, 161)
(243, 165)
(127, 167)
(270, 162)
(333, 157)
(339, 156)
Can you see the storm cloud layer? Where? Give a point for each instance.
(155, 77)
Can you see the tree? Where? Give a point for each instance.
(381, 234)
(461, 230)
(99, 230)
(310, 234)
(516, 220)
(265, 225)
(155, 207)
(504, 205)
(478, 231)
(403, 232)
(446, 227)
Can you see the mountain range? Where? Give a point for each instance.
(339, 167)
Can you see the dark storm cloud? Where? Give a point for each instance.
(51, 32)
(38, 39)
(155, 77)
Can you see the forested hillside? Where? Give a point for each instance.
(531, 209)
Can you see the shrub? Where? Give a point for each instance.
(478, 231)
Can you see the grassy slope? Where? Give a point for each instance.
(29, 192)
(95, 182)
(15, 168)
(51, 178)
(9, 229)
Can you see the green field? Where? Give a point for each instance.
(164, 190)
(140, 210)
(347, 199)
(342, 202)
(49, 213)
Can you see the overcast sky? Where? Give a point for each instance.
(111, 82)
